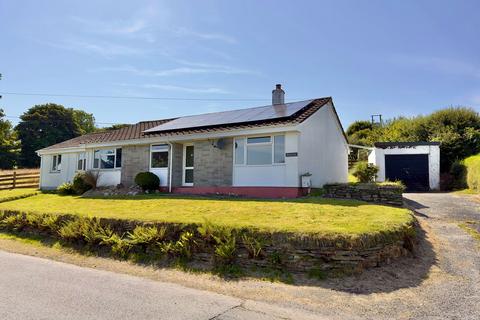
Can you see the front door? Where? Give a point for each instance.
(188, 165)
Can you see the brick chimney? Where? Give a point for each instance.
(278, 95)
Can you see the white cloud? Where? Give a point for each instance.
(188, 68)
(184, 32)
(169, 87)
(444, 65)
(106, 49)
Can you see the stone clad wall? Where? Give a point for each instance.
(370, 192)
(177, 165)
(213, 166)
(135, 159)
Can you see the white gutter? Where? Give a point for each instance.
(170, 154)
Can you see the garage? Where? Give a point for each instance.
(416, 164)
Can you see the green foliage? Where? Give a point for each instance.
(65, 189)
(80, 185)
(458, 172)
(9, 145)
(472, 165)
(143, 235)
(85, 121)
(47, 124)
(359, 126)
(225, 247)
(84, 229)
(182, 248)
(119, 246)
(365, 172)
(147, 181)
(254, 245)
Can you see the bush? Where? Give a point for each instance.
(472, 165)
(66, 189)
(457, 175)
(147, 181)
(91, 178)
(365, 172)
(80, 184)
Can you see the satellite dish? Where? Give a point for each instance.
(219, 143)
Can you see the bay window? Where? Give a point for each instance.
(107, 158)
(265, 150)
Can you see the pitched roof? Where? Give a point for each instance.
(141, 129)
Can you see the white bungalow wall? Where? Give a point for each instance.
(323, 150)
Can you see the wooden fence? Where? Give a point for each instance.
(20, 179)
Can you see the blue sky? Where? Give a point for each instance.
(389, 57)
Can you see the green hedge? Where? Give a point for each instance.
(466, 173)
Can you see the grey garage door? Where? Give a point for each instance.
(411, 169)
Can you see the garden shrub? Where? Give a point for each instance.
(473, 172)
(65, 189)
(143, 235)
(225, 247)
(147, 181)
(80, 185)
(365, 172)
(91, 178)
(254, 245)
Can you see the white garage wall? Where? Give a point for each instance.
(377, 157)
(323, 150)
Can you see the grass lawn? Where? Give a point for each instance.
(14, 193)
(310, 215)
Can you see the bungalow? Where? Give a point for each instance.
(262, 151)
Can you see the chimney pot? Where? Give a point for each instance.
(278, 95)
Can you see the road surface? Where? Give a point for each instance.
(36, 288)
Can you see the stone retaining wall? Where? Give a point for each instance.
(370, 192)
(295, 253)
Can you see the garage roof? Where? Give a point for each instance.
(384, 145)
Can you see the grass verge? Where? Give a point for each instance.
(15, 194)
(472, 228)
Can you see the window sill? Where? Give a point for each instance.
(260, 165)
(113, 169)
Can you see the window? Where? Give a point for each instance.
(56, 163)
(159, 156)
(107, 158)
(264, 150)
(82, 161)
(279, 149)
(240, 151)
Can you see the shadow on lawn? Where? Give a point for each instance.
(163, 196)
(405, 272)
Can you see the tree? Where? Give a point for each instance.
(42, 126)
(8, 144)
(85, 121)
(113, 127)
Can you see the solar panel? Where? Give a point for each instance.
(231, 117)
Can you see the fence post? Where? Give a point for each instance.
(14, 179)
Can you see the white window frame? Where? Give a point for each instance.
(114, 160)
(167, 151)
(184, 166)
(83, 159)
(245, 150)
(56, 166)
